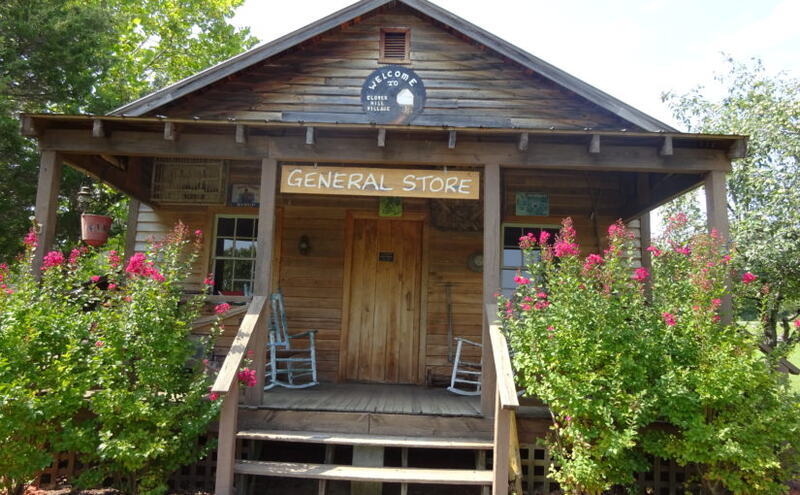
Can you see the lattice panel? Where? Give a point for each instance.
(535, 466)
(198, 476)
(666, 478)
(65, 468)
(189, 180)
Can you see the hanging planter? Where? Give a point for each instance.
(95, 228)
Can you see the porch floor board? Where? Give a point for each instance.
(373, 398)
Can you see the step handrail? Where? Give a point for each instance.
(230, 367)
(506, 402)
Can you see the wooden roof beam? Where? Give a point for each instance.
(241, 134)
(523, 141)
(28, 126)
(382, 137)
(738, 149)
(594, 144)
(170, 131)
(451, 140)
(98, 131)
(310, 138)
(666, 147)
(665, 190)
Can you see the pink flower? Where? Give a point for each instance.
(9, 291)
(527, 241)
(551, 328)
(99, 343)
(527, 299)
(52, 259)
(593, 260)
(654, 251)
(112, 286)
(155, 275)
(684, 250)
(641, 274)
(198, 233)
(715, 303)
(616, 230)
(95, 278)
(30, 239)
(114, 259)
(669, 319)
(748, 278)
(716, 318)
(565, 248)
(520, 280)
(797, 323)
(213, 396)
(222, 308)
(209, 280)
(541, 295)
(525, 307)
(137, 264)
(73, 256)
(543, 237)
(541, 305)
(726, 258)
(567, 418)
(247, 377)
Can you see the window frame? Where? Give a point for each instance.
(382, 45)
(523, 225)
(214, 257)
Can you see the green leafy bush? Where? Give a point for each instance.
(633, 363)
(97, 358)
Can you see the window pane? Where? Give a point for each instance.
(508, 279)
(243, 270)
(224, 247)
(511, 236)
(225, 227)
(245, 249)
(244, 227)
(512, 257)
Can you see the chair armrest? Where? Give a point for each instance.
(309, 333)
(466, 341)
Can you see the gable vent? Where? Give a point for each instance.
(395, 45)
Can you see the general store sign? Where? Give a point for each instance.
(361, 181)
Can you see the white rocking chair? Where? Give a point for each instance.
(466, 376)
(293, 363)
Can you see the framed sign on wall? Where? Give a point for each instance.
(244, 195)
(532, 204)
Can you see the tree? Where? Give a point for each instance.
(764, 187)
(92, 56)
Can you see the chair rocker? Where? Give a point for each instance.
(466, 376)
(287, 364)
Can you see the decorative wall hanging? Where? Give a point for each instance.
(390, 207)
(531, 204)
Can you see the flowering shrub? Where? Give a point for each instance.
(96, 358)
(633, 363)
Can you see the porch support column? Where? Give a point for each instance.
(645, 233)
(50, 164)
(263, 274)
(717, 218)
(491, 278)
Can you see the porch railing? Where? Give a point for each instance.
(506, 403)
(227, 386)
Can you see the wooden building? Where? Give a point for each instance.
(376, 167)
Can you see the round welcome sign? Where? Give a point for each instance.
(393, 95)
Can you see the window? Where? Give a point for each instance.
(395, 46)
(511, 261)
(234, 257)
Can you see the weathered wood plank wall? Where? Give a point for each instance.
(313, 283)
(466, 83)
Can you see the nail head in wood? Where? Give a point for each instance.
(381, 138)
(310, 138)
(523, 141)
(666, 146)
(97, 129)
(451, 142)
(169, 131)
(594, 144)
(241, 134)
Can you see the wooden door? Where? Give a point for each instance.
(382, 338)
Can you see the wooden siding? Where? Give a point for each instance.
(313, 284)
(466, 83)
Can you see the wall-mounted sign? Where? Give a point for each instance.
(390, 207)
(392, 95)
(244, 195)
(358, 181)
(531, 204)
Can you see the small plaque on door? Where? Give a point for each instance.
(385, 256)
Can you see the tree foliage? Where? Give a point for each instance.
(764, 187)
(91, 56)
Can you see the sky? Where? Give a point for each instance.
(632, 49)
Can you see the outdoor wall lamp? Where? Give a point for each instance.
(304, 245)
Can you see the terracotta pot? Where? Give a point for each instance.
(94, 229)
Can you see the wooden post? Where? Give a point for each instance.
(131, 227)
(643, 192)
(226, 447)
(266, 227)
(491, 277)
(502, 440)
(50, 165)
(717, 215)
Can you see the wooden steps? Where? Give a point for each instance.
(366, 440)
(358, 473)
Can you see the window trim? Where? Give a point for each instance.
(502, 236)
(213, 247)
(382, 45)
